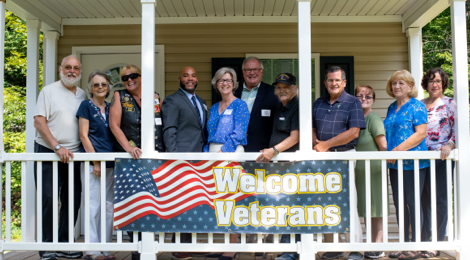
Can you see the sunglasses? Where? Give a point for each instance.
(131, 76)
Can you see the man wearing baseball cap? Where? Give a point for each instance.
(285, 136)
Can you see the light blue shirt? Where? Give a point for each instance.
(190, 96)
(249, 96)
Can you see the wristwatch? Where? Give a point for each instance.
(276, 151)
(57, 147)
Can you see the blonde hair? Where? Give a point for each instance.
(405, 76)
(220, 73)
(132, 68)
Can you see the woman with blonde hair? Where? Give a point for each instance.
(405, 130)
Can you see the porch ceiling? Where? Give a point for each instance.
(55, 13)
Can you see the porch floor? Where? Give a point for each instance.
(33, 255)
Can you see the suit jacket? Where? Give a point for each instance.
(181, 129)
(260, 126)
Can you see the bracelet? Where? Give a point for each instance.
(276, 151)
(450, 145)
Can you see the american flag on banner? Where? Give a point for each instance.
(168, 190)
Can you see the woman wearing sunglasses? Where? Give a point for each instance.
(125, 119)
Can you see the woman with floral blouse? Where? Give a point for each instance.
(440, 137)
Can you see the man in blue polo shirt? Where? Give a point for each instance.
(337, 120)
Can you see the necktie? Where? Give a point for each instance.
(197, 110)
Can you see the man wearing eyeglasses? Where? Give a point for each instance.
(337, 120)
(57, 126)
(261, 102)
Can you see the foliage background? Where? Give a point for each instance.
(14, 115)
(437, 52)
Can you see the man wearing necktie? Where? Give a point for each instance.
(184, 125)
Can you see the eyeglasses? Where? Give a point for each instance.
(131, 76)
(438, 82)
(227, 81)
(330, 81)
(255, 70)
(364, 97)
(97, 85)
(68, 67)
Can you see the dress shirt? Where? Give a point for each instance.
(190, 96)
(249, 96)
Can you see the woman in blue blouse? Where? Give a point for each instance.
(228, 119)
(405, 130)
(227, 124)
(96, 137)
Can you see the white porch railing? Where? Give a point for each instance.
(154, 242)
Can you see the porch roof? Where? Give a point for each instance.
(56, 13)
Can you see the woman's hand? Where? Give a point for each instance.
(97, 168)
(445, 151)
(266, 155)
(135, 152)
(394, 160)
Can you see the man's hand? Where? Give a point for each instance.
(266, 155)
(321, 146)
(64, 154)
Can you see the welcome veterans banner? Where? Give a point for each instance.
(226, 196)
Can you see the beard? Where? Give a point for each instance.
(183, 86)
(68, 82)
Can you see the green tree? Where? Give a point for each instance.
(437, 44)
(14, 116)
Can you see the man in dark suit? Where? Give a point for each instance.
(184, 116)
(261, 102)
(184, 125)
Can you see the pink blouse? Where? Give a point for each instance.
(441, 123)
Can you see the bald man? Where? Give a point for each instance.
(184, 116)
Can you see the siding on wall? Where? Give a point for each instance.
(379, 49)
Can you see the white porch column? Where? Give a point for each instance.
(28, 194)
(460, 70)
(148, 89)
(305, 75)
(415, 50)
(307, 248)
(148, 77)
(50, 42)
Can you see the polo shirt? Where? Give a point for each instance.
(330, 120)
(286, 120)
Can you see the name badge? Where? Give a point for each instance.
(228, 112)
(265, 112)
(158, 121)
(205, 107)
(282, 118)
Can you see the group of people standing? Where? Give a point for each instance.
(255, 117)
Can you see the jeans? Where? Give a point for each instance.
(441, 202)
(63, 186)
(409, 199)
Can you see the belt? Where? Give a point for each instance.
(342, 149)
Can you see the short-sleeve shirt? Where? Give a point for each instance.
(441, 123)
(59, 106)
(286, 120)
(330, 120)
(228, 128)
(401, 125)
